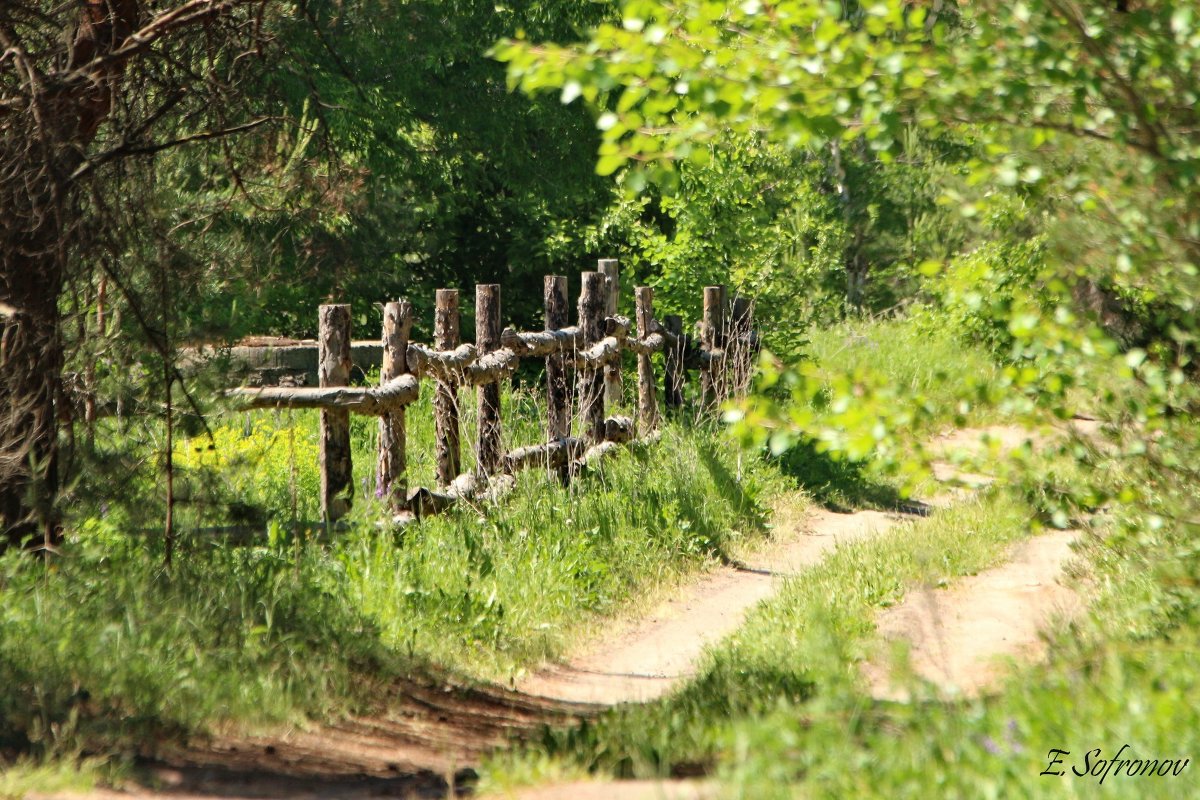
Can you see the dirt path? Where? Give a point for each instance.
(419, 744)
(959, 637)
(637, 662)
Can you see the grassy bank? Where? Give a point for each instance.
(795, 658)
(102, 649)
(779, 709)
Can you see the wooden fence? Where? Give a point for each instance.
(592, 349)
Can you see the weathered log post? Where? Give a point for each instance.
(743, 350)
(489, 448)
(674, 374)
(391, 479)
(611, 269)
(593, 302)
(712, 339)
(333, 369)
(558, 410)
(445, 401)
(647, 399)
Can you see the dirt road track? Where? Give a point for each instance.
(419, 746)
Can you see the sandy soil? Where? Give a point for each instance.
(959, 638)
(640, 662)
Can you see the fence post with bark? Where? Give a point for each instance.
(592, 348)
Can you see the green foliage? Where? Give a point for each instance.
(979, 292)
(104, 648)
(405, 166)
(871, 390)
(795, 657)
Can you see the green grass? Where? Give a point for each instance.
(779, 709)
(918, 356)
(922, 367)
(103, 649)
(796, 656)
(18, 780)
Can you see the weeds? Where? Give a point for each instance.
(103, 650)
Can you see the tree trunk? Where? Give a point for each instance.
(39, 151)
(31, 358)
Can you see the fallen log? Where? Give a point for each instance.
(551, 454)
(369, 400)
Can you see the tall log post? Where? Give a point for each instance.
(489, 447)
(647, 399)
(558, 410)
(674, 374)
(445, 401)
(611, 269)
(333, 369)
(391, 478)
(593, 303)
(712, 337)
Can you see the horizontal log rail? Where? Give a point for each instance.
(374, 401)
(602, 352)
(654, 343)
(554, 454)
(493, 367)
(721, 350)
(541, 343)
(444, 365)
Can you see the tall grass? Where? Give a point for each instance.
(917, 355)
(795, 657)
(102, 648)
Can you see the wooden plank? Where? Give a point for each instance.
(333, 370)
(489, 448)
(593, 300)
(610, 268)
(391, 470)
(445, 400)
(647, 391)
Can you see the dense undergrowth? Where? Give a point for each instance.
(102, 649)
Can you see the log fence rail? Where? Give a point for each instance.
(722, 353)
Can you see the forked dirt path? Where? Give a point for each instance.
(634, 663)
(423, 743)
